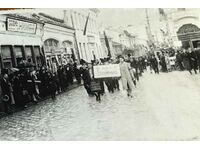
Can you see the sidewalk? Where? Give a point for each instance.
(14, 109)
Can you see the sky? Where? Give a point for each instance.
(122, 17)
(135, 17)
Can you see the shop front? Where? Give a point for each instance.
(58, 43)
(20, 39)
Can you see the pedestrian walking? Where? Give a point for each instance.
(154, 64)
(126, 76)
(86, 78)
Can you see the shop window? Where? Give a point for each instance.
(29, 54)
(6, 56)
(18, 54)
(37, 55)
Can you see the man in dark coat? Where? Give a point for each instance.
(197, 51)
(179, 59)
(154, 64)
(193, 60)
(86, 78)
(186, 61)
(134, 64)
(163, 63)
(77, 73)
(5, 88)
(69, 73)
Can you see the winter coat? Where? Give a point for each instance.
(126, 76)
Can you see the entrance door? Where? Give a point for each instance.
(188, 34)
(195, 43)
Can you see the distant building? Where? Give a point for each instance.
(121, 40)
(184, 26)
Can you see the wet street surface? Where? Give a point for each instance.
(164, 107)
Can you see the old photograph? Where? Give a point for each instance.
(100, 74)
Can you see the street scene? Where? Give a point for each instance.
(79, 74)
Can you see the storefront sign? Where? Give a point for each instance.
(107, 71)
(20, 26)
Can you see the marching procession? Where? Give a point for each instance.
(68, 77)
(25, 84)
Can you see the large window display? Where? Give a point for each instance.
(29, 55)
(18, 54)
(6, 56)
(38, 58)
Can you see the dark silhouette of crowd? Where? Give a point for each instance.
(27, 85)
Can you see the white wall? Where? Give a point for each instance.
(18, 38)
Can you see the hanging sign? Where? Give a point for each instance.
(20, 26)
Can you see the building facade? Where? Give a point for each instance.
(58, 40)
(88, 45)
(122, 41)
(20, 39)
(184, 26)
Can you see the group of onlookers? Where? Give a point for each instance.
(25, 84)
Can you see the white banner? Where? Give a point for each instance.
(107, 71)
(20, 26)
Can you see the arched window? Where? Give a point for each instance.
(67, 45)
(51, 45)
(188, 28)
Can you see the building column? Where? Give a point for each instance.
(191, 45)
(24, 53)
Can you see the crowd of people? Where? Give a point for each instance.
(131, 69)
(25, 84)
(180, 59)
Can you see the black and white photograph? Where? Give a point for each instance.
(99, 74)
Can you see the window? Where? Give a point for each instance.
(29, 54)
(67, 45)
(37, 56)
(6, 56)
(51, 45)
(18, 54)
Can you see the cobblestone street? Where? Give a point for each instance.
(164, 107)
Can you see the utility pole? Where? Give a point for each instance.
(165, 19)
(148, 29)
(75, 38)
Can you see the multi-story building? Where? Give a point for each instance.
(58, 40)
(122, 40)
(88, 44)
